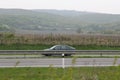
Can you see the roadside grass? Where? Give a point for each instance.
(44, 46)
(52, 73)
(96, 47)
(23, 47)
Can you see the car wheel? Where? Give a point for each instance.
(67, 54)
(48, 54)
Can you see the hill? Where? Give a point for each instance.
(84, 16)
(59, 20)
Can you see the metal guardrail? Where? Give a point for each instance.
(74, 52)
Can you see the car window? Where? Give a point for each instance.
(63, 47)
(68, 48)
(57, 48)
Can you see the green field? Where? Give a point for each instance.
(43, 46)
(81, 73)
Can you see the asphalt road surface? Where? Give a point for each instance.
(58, 62)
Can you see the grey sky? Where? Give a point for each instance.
(103, 6)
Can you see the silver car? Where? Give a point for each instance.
(59, 47)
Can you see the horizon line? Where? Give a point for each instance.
(64, 10)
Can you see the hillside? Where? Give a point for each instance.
(84, 16)
(58, 20)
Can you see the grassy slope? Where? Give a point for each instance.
(86, 73)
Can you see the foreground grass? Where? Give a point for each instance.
(43, 46)
(81, 73)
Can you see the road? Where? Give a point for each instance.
(57, 62)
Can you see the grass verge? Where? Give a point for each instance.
(43, 46)
(71, 73)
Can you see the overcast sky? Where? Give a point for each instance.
(103, 6)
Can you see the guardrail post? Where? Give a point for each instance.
(101, 54)
(24, 55)
(63, 61)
